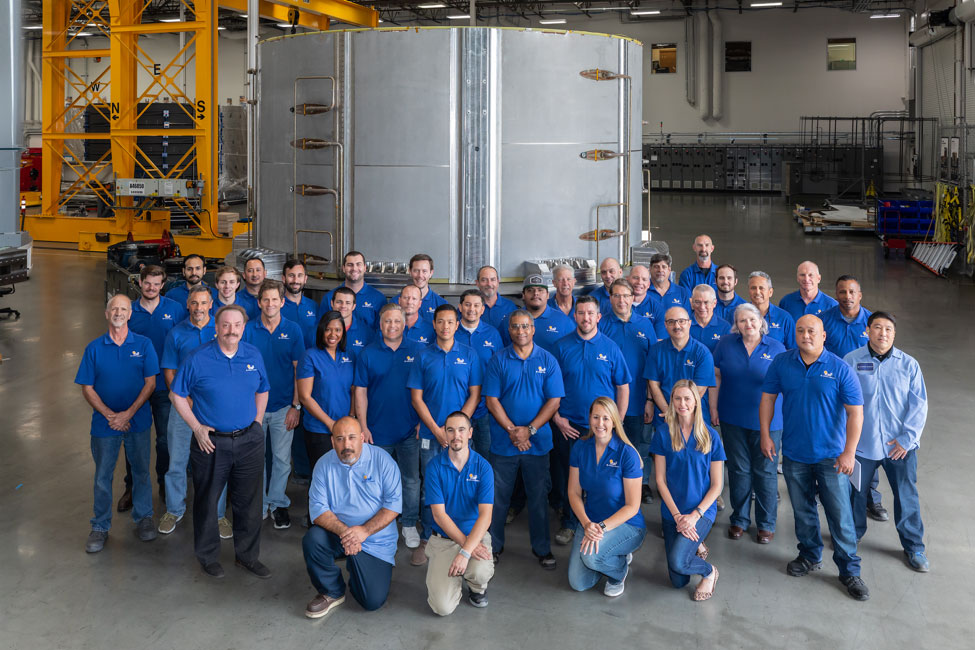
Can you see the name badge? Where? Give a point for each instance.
(425, 443)
(865, 367)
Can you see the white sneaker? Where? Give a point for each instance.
(412, 536)
(615, 589)
(629, 559)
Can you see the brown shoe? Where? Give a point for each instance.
(735, 532)
(765, 536)
(419, 555)
(321, 605)
(125, 501)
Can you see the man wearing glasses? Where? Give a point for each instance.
(677, 357)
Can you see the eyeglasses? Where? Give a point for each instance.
(519, 326)
(622, 295)
(677, 321)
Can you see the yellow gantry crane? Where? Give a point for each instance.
(119, 94)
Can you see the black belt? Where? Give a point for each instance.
(236, 433)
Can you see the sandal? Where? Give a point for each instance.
(703, 554)
(701, 596)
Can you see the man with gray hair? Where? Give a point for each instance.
(808, 299)
(705, 327)
(781, 326)
(565, 281)
(496, 307)
(643, 303)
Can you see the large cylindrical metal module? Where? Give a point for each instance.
(474, 145)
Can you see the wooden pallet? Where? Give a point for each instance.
(818, 221)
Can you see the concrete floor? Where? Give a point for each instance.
(135, 595)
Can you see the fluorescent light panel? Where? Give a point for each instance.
(645, 12)
(33, 27)
(432, 5)
(553, 21)
(169, 20)
(885, 16)
(459, 17)
(765, 4)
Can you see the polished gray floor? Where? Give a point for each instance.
(136, 595)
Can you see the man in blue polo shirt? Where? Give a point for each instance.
(194, 268)
(550, 324)
(117, 375)
(196, 330)
(385, 411)
(894, 411)
(484, 339)
(447, 378)
(678, 357)
(781, 327)
(247, 297)
(705, 327)
(353, 501)
(416, 329)
(609, 272)
(808, 299)
(228, 385)
(643, 304)
(299, 308)
(726, 279)
(592, 366)
(665, 293)
(822, 413)
(460, 490)
(368, 300)
(634, 335)
(358, 333)
(496, 307)
(421, 270)
(281, 345)
(522, 389)
(702, 271)
(153, 316)
(564, 279)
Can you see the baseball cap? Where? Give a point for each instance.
(534, 280)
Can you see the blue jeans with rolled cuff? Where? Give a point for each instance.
(610, 561)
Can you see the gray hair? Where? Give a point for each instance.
(561, 268)
(761, 274)
(753, 310)
(707, 290)
(522, 312)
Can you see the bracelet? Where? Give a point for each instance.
(699, 511)
(464, 553)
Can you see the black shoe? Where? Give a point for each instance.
(877, 512)
(125, 501)
(146, 530)
(281, 518)
(213, 569)
(255, 567)
(306, 521)
(547, 562)
(497, 556)
(647, 495)
(478, 600)
(801, 566)
(855, 587)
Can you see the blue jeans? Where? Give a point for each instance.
(749, 469)
(407, 455)
(104, 451)
(179, 435)
(482, 436)
(537, 479)
(369, 577)
(682, 559)
(640, 434)
(161, 406)
(280, 443)
(561, 452)
(586, 570)
(426, 514)
(804, 480)
(902, 476)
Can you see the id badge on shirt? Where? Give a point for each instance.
(866, 366)
(425, 444)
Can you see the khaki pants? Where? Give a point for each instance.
(444, 592)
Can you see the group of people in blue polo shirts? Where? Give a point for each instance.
(771, 378)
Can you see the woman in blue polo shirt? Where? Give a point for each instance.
(741, 360)
(325, 376)
(687, 461)
(605, 466)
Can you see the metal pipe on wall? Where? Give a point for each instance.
(11, 124)
(253, 26)
(703, 66)
(690, 65)
(717, 45)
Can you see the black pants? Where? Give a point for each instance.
(317, 445)
(239, 464)
(561, 452)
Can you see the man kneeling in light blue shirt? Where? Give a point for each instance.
(353, 502)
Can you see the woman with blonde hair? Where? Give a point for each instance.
(688, 455)
(605, 466)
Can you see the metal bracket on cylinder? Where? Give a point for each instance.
(596, 155)
(597, 74)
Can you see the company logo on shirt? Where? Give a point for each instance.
(612, 463)
(541, 370)
(640, 335)
(766, 356)
(460, 361)
(310, 314)
(676, 301)
(136, 354)
(423, 339)
(366, 477)
(864, 335)
(408, 359)
(488, 344)
(284, 336)
(689, 363)
(827, 374)
(346, 359)
(774, 326)
(167, 317)
(430, 310)
(357, 343)
(250, 368)
(552, 328)
(473, 478)
(367, 304)
(715, 336)
(601, 357)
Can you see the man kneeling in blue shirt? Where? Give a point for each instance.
(353, 501)
(460, 491)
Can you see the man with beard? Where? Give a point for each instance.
(368, 300)
(254, 276)
(354, 499)
(550, 324)
(727, 280)
(298, 308)
(194, 268)
(702, 271)
(495, 307)
(228, 385)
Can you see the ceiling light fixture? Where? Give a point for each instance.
(169, 20)
(221, 28)
(553, 21)
(33, 27)
(432, 5)
(765, 4)
(83, 34)
(645, 12)
(459, 17)
(885, 16)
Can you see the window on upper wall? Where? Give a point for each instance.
(663, 58)
(738, 56)
(841, 54)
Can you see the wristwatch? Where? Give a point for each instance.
(532, 430)
(602, 525)
(297, 406)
